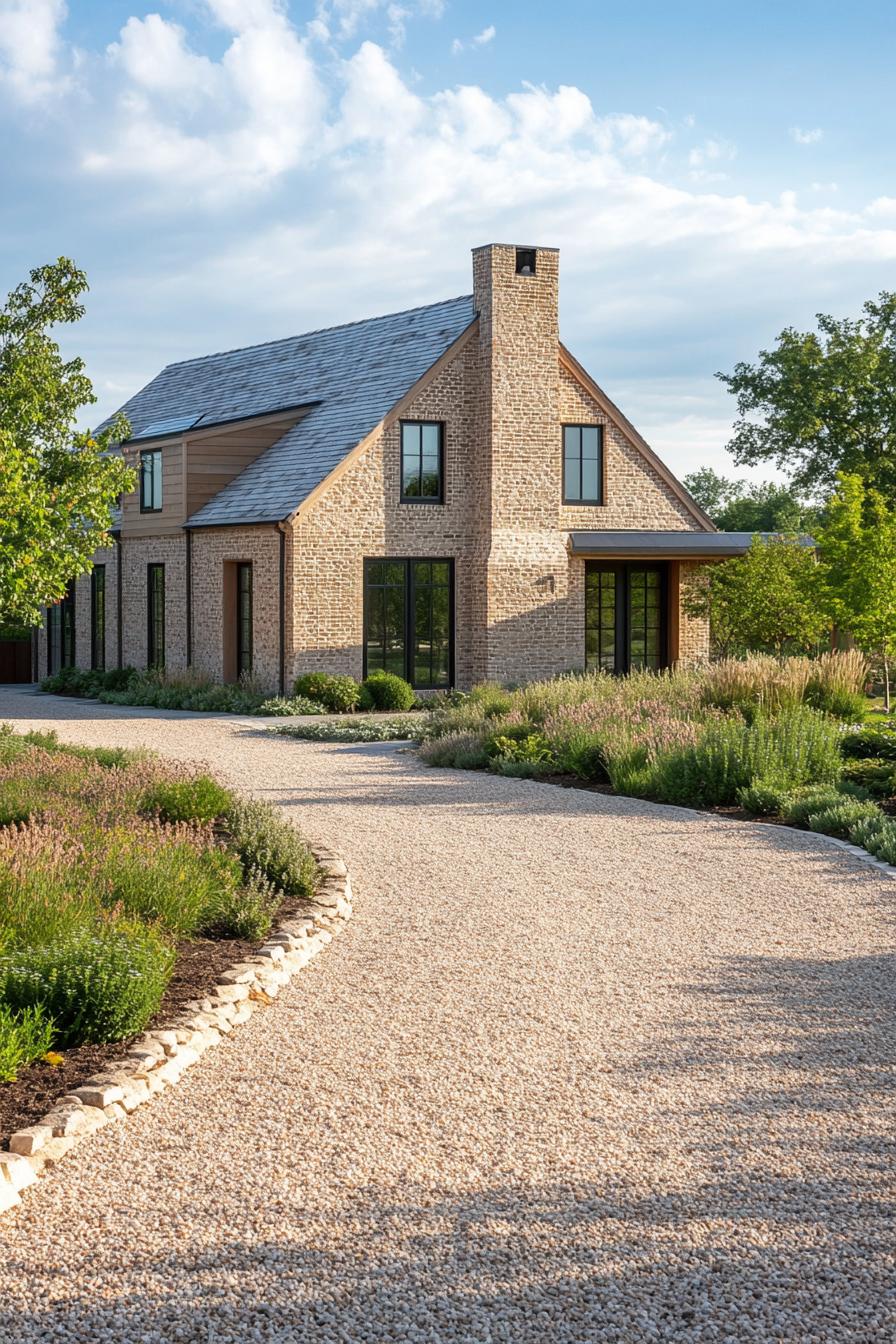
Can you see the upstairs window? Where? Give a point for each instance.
(583, 451)
(151, 481)
(422, 462)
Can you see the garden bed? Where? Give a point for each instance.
(127, 887)
(759, 738)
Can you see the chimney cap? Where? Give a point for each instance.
(513, 247)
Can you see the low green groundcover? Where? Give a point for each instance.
(108, 860)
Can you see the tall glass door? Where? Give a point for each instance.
(625, 617)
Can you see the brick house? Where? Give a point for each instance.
(444, 492)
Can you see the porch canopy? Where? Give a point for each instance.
(677, 545)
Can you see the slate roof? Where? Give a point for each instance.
(356, 372)
(658, 544)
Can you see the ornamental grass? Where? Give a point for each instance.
(108, 861)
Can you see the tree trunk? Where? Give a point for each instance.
(886, 684)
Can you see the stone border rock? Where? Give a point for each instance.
(158, 1059)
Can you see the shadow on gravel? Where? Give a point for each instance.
(787, 1235)
(521, 1265)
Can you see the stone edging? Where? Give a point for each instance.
(158, 1059)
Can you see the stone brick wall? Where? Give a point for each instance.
(83, 621)
(137, 554)
(214, 549)
(360, 516)
(693, 631)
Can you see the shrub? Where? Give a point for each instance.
(865, 743)
(97, 985)
(491, 699)
(840, 819)
(463, 751)
(174, 883)
(199, 799)
(268, 845)
(279, 706)
(385, 690)
(877, 835)
(337, 694)
(245, 912)
(797, 807)
(849, 706)
(532, 749)
(24, 1037)
(877, 777)
(764, 797)
(797, 747)
(357, 730)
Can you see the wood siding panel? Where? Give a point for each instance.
(214, 460)
(171, 517)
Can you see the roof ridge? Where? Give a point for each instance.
(318, 331)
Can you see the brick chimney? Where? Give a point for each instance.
(521, 598)
(515, 292)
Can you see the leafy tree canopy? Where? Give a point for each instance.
(765, 600)
(823, 401)
(747, 506)
(57, 485)
(858, 568)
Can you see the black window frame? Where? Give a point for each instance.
(601, 461)
(244, 567)
(623, 571)
(421, 425)
(410, 589)
(98, 618)
(61, 633)
(153, 624)
(154, 454)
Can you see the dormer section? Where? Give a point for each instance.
(180, 467)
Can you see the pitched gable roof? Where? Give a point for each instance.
(355, 372)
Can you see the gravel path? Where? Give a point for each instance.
(580, 1069)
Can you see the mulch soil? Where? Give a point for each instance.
(199, 965)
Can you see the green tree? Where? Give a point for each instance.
(858, 568)
(765, 600)
(823, 401)
(57, 485)
(746, 506)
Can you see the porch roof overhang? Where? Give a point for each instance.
(670, 545)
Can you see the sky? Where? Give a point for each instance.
(233, 171)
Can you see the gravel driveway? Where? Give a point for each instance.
(580, 1069)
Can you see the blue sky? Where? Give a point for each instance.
(230, 171)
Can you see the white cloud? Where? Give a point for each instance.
(705, 160)
(245, 119)
(31, 50)
(480, 40)
(801, 137)
(300, 183)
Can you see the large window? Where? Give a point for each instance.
(243, 618)
(98, 617)
(422, 462)
(61, 632)
(583, 464)
(155, 613)
(151, 481)
(625, 617)
(409, 620)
